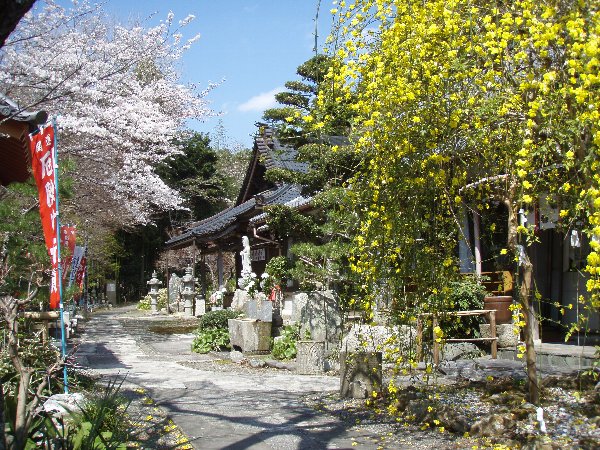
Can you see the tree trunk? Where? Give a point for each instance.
(2, 435)
(12, 12)
(530, 325)
(9, 310)
(524, 294)
(21, 418)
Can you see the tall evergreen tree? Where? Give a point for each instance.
(194, 174)
(299, 100)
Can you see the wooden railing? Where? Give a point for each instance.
(491, 315)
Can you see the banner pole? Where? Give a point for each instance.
(60, 290)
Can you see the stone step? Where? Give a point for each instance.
(557, 355)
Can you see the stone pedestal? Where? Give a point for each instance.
(310, 357)
(504, 332)
(360, 374)
(111, 292)
(249, 335)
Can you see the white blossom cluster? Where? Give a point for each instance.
(116, 94)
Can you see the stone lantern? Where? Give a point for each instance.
(188, 292)
(154, 283)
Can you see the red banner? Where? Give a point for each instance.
(43, 164)
(67, 247)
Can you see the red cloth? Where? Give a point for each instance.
(43, 161)
(67, 247)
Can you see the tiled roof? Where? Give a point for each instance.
(276, 155)
(9, 109)
(296, 202)
(271, 154)
(207, 229)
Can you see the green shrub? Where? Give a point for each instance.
(217, 319)
(161, 302)
(285, 347)
(101, 424)
(212, 333)
(465, 295)
(278, 270)
(211, 339)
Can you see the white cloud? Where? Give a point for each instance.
(261, 101)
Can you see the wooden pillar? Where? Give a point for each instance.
(203, 273)
(220, 268)
(194, 259)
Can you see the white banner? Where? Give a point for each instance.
(78, 255)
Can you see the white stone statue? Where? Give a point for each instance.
(245, 254)
(248, 279)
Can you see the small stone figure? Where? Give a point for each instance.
(245, 254)
(246, 282)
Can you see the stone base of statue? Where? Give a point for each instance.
(250, 335)
(257, 307)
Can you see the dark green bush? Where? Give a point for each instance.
(465, 295)
(285, 347)
(217, 319)
(212, 333)
(211, 339)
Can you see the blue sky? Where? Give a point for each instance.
(254, 46)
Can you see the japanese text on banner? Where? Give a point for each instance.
(43, 165)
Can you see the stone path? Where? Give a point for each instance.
(217, 410)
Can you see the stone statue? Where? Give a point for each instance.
(245, 254)
(246, 281)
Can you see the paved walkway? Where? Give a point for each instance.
(215, 410)
(247, 409)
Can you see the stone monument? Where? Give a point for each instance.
(174, 288)
(200, 306)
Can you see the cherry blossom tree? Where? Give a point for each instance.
(118, 99)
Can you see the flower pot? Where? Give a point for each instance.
(501, 303)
